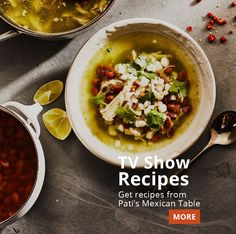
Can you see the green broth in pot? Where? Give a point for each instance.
(52, 16)
(118, 50)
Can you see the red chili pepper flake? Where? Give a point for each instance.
(198, 1)
(211, 38)
(233, 4)
(189, 28)
(223, 39)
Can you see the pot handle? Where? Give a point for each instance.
(8, 35)
(31, 112)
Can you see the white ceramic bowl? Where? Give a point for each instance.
(206, 84)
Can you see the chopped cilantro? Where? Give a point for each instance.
(155, 120)
(126, 113)
(131, 69)
(179, 87)
(142, 61)
(139, 65)
(99, 99)
(148, 75)
(148, 96)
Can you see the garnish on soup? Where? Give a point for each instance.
(52, 16)
(145, 98)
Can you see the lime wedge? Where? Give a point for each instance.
(57, 123)
(49, 92)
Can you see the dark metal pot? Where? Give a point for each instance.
(17, 30)
(27, 116)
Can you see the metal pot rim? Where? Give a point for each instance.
(27, 205)
(60, 34)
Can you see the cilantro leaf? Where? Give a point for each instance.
(148, 96)
(99, 99)
(131, 69)
(126, 113)
(141, 61)
(148, 75)
(179, 87)
(155, 119)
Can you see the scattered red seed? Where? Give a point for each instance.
(212, 22)
(211, 38)
(189, 28)
(221, 21)
(210, 14)
(209, 27)
(198, 1)
(223, 39)
(214, 18)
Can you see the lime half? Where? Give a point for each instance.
(57, 123)
(49, 92)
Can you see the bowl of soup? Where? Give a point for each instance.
(52, 19)
(140, 87)
(22, 164)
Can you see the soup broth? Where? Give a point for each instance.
(52, 16)
(118, 50)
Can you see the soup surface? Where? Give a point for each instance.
(18, 165)
(162, 96)
(52, 16)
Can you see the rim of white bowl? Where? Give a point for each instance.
(92, 143)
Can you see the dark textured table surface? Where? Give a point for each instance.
(80, 191)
